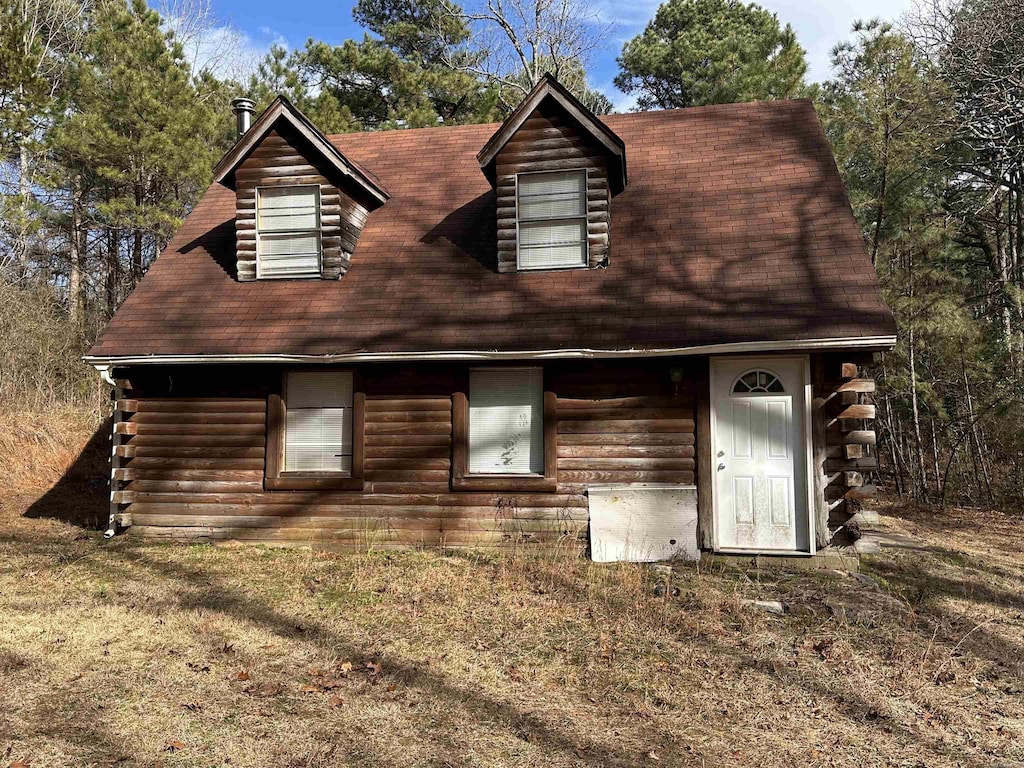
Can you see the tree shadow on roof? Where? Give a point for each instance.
(219, 243)
(472, 229)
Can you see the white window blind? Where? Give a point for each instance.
(506, 421)
(318, 422)
(288, 228)
(552, 215)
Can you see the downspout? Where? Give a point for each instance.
(105, 375)
(112, 519)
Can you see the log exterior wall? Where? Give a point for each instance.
(193, 447)
(549, 142)
(280, 160)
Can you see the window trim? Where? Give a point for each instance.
(318, 230)
(275, 476)
(585, 218)
(463, 480)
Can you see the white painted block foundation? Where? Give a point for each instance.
(643, 522)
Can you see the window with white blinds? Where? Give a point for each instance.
(506, 421)
(288, 231)
(552, 219)
(318, 422)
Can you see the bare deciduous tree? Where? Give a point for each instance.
(514, 42)
(978, 46)
(209, 42)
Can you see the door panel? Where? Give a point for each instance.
(760, 459)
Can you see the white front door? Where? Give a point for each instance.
(760, 458)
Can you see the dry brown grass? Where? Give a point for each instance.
(38, 447)
(114, 653)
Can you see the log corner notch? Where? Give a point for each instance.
(120, 516)
(843, 439)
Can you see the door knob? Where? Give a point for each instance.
(721, 467)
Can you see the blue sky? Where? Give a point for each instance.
(819, 25)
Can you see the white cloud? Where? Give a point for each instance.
(820, 24)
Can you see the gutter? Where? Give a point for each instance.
(105, 363)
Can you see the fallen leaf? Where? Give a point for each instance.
(653, 755)
(311, 688)
(243, 675)
(173, 746)
(19, 764)
(373, 667)
(334, 701)
(198, 667)
(345, 667)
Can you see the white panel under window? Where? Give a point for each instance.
(318, 422)
(552, 210)
(506, 421)
(288, 228)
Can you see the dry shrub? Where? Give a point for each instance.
(38, 448)
(41, 352)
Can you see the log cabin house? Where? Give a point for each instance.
(467, 335)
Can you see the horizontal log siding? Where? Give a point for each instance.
(551, 143)
(191, 458)
(623, 424)
(279, 161)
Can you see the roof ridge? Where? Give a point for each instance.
(614, 115)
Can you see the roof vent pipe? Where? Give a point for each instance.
(243, 110)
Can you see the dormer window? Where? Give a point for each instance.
(300, 205)
(552, 220)
(555, 167)
(288, 232)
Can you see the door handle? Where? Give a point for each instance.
(721, 467)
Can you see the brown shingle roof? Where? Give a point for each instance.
(735, 228)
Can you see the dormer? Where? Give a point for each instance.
(300, 205)
(555, 169)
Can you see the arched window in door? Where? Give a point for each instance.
(758, 382)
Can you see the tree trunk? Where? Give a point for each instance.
(24, 190)
(113, 269)
(918, 442)
(912, 363)
(973, 426)
(935, 454)
(75, 253)
(137, 239)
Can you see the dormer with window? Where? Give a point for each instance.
(555, 169)
(300, 204)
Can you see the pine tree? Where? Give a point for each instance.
(137, 143)
(711, 52)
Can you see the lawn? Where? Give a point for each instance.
(141, 654)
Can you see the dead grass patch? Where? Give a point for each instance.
(143, 654)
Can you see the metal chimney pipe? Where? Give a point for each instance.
(243, 110)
